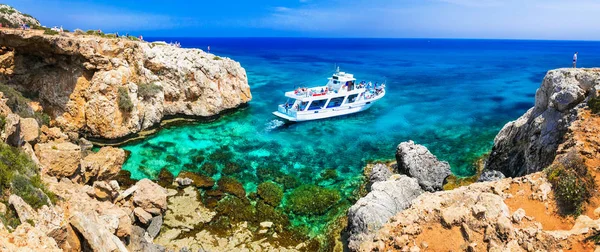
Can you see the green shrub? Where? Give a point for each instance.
(594, 105)
(19, 175)
(148, 90)
(90, 32)
(20, 105)
(572, 184)
(2, 122)
(79, 32)
(133, 38)
(270, 193)
(123, 100)
(65, 30)
(216, 58)
(50, 32)
(311, 200)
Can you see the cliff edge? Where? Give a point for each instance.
(110, 88)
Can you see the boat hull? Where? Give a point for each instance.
(326, 113)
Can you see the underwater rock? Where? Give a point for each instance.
(311, 200)
(186, 211)
(529, 143)
(386, 199)
(232, 186)
(165, 178)
(197, 180)
(209, 169)
(236, 209)
(490, 175)
(416, 161)
(270, 193)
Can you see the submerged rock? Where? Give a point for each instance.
(529, 143)
(416, 161)
(385, 200)
(197, 180)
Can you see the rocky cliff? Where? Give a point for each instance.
(112, 87)
(529, 144)
(514, 214)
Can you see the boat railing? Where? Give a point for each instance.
(288, 111)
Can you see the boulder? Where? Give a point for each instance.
(154, 226)
(102, 190)
(380, 172)
(103, 165)
(123, 228)
(95, 235)
(4, 109)
(416, 161)
(52, 134)
(24, 211)
(386, 198)
(529, 144)
(150, 195)
(138, 242)
(490, 175)
(29, 129)
(142, 216)
(58, 159)
(12, 130)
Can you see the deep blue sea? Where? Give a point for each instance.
(452, 96)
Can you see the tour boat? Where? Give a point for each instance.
(341, 96)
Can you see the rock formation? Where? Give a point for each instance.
(384, 201)
(416, 161)
(11, 17)
(80, 80)
(529, 144)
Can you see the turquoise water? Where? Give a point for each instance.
(452, 96)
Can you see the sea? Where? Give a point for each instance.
(451, 95)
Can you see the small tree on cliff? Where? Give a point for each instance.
(123, 100)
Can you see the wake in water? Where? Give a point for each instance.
(273, 124)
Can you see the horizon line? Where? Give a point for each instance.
(407, 38)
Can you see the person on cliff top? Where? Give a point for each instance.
(575, 59)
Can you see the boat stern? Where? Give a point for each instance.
(284, 116)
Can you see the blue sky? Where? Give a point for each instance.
(517, 19)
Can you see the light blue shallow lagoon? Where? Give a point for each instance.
(452, 96)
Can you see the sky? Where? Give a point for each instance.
(492, 19)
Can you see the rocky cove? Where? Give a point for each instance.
(81, 80)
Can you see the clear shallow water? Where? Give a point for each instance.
(452, 96)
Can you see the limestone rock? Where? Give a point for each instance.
(58, 159)
(27, 238)
(529, 144)
(416, 161)
(490, 175)
(150, 195)
(12, 130)
(24, 211)
(380, 172)
(154, 226)
(14, 18)
(79, 77)
(186, 211)
(102, 190)
(4, 109)
(142, 216)
(96, 236)
(105, 164)
(29, 129)
(384, 201)
(138, 242)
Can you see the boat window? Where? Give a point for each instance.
(318, 104)
(302, 106)
(335, 102)
(352, 98)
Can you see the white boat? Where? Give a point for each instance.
(341, 96)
